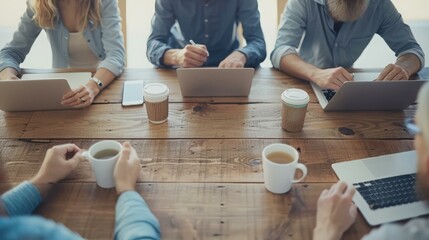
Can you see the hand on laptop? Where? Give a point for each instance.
(335, 212)
(8, 74)
(234, 60)
(393, 72)
(332, 78)
(81, 97)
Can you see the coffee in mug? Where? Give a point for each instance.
(295, 103)
(280, 157)
(103, 156)
(156, 101)
(106, 154)
(279, 163)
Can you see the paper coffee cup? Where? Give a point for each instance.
(104, 165)
(279, 174)
(156, 101)
(295, 102)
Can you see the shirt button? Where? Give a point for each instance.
(206, 4)
(207, 36)
(89, 40)
(336, 45)
(206, 20)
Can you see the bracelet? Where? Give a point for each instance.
(98, 82)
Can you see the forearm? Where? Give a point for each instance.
(134, 220)
(105, 76)
(293, 65)
(22, 199)
(325, 234)
(410, 63)
(170, 57)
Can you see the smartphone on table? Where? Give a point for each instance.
(132, 93)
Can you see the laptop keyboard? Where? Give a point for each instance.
(329, 94)
(388, 192)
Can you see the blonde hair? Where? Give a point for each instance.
(422, 114)
(46, 12)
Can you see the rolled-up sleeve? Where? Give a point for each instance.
(255, 50)
(292, 28)
(112, 38)
(14, 53)
(22, 199)
(397, 34)
(157, 43)
(134, 220)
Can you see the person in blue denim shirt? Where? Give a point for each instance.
(134, 220)
(317, 39)
(82, 34)
(212, 25)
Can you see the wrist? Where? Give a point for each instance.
(93, 86)
(122, 189)
(171, 57)
(326, 233)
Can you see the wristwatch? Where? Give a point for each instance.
(98, 82)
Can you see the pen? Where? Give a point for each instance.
(194, 44)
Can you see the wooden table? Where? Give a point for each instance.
(201, 171)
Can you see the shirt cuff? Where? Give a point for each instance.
(22, 199)
(5, 65)
(279, 53)
(114, 68)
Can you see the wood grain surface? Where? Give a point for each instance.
(201, 171)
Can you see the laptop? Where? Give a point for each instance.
(385, 187)
(39, 91)
(215, 82)
(365, 94)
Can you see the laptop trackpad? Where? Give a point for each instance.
(392, 165)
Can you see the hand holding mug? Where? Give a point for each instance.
(127, 169)
(59, 162)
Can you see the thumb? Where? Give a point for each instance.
(76, 159)
(353, 211)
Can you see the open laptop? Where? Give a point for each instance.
(385, 186)
(365, 94)
(215, 82)
(39, 91)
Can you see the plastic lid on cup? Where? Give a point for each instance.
(295, 97)
(155, 92)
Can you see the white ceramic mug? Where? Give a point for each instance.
(278, 177)
(103, 168)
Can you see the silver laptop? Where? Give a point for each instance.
(39, 91)
(375, 178)
(364, 94)
(215, 82)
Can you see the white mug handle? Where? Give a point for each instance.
(303, 168)
(86, 155)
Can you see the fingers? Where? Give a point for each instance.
(200, 50)
(194, 56)
(73, 92)
(79, 98)
(393, 72)
(76, 159)
(346, 76)
(125, 152)
(230, 64)
(353, 211)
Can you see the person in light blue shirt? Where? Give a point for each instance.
(83, 34)
(134, 220)
(212, 25)
(317, 39)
